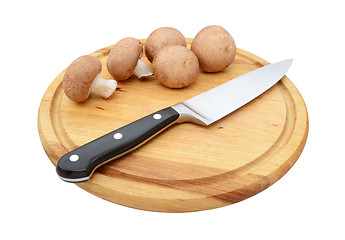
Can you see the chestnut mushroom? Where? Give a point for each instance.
(124, 60)
(176, 66)
(82, 78)
(214, 47)
(160, 38)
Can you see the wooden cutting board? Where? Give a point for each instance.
(188, 167)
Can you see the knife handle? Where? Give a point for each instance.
(79, 164)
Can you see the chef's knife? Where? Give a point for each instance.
(204, 109)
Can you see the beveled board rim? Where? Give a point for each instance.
(246, 184)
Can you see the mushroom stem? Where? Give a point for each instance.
(102, 87)
(141, 70)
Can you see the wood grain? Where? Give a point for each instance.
(188, 167)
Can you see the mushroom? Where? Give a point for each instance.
(124, 60)
(161, 38)
(82, 78)
(215, 48)
(176, 66)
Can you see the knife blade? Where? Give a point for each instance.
(204, 109)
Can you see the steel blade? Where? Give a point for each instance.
(218, 102)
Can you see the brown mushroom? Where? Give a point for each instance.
(124, 60)
(215, 48)
(160, 38)
(176, 66)
(82, 78)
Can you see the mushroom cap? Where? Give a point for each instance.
(160, 38)
(79, 77)
(214, 47)
(176, 66)
(123, 58)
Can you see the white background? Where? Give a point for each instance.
(41, 38)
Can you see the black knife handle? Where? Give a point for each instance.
(79, 164)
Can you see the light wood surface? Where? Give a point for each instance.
(188, 167)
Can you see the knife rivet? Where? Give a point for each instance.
(157, 116)
(118, 136)
(74, 158)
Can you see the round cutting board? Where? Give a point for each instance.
(188, 167)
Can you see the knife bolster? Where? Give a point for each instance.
(189, 115)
